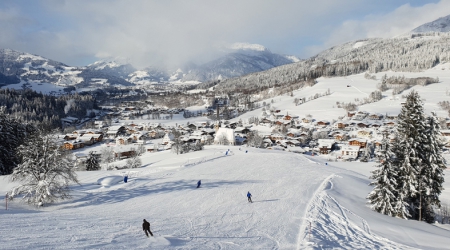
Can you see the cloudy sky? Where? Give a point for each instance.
(170, 32)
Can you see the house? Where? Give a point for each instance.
(364, 133)
(390, 123)
(445, 133)
(325, 145)
(276, 137)
(225, 136)
(350, 151)
(350, 114)
(362, 124)
(72, 145)
(340, 125)
(115, 130)
(123, 140)
(168, 137)
(322, 123)
(69, 137)
(375, 116)
(358, 142)
(287, 117)
(123, 154)
(87, 139)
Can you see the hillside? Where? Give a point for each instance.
(299, 203)
(412, 53)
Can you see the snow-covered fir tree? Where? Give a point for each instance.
(92, 162)
(45, 171)
(432, 172)
(383, 196)
(411, 140)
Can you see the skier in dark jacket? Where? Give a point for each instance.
(249, 197)
(146, 228)
(199, 183)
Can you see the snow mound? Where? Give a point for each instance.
(109, 180)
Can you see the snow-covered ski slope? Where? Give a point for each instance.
(299, 202)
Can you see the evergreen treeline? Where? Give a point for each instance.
(408, 181)
(13, 133)
(44, 111)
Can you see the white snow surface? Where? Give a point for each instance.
(299, 202)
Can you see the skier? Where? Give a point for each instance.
(249, 197)
(146, 228)
(199, 183)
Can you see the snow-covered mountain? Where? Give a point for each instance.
(243, 59)
(19, 67)
(439, 25)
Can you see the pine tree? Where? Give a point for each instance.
(383, 196)
(92, 162)
(45, 171)
(432, 172)
(409, 150)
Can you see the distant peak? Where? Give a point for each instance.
(441, 24)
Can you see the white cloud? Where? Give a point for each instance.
(170, 32)
(400, 21)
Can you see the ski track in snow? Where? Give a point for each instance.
(327, 224)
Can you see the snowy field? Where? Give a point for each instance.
(300, 202)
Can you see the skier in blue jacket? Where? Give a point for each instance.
(199, 183)
(249, 197)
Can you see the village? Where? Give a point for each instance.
(129, 131)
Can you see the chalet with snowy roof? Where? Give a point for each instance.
(224, 136)
(292, 142)
(168, 138)
(115, 130)
(322, 123)
(362, 124)
(293, 133)
(358, 142)
(241, 130)
(364, 133)
(69, 137)
(193, 126)
(325, 145)
(390, 123)
(87, 139)
(121, 140)
(375, 116)
(276, 137)
(287, 117)
(340, 125)
(350, 114)
(350, 151)
(72, 145)
(307, 120)
(445, 132)
(124, 153)
(266, 121)
(340, 136)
